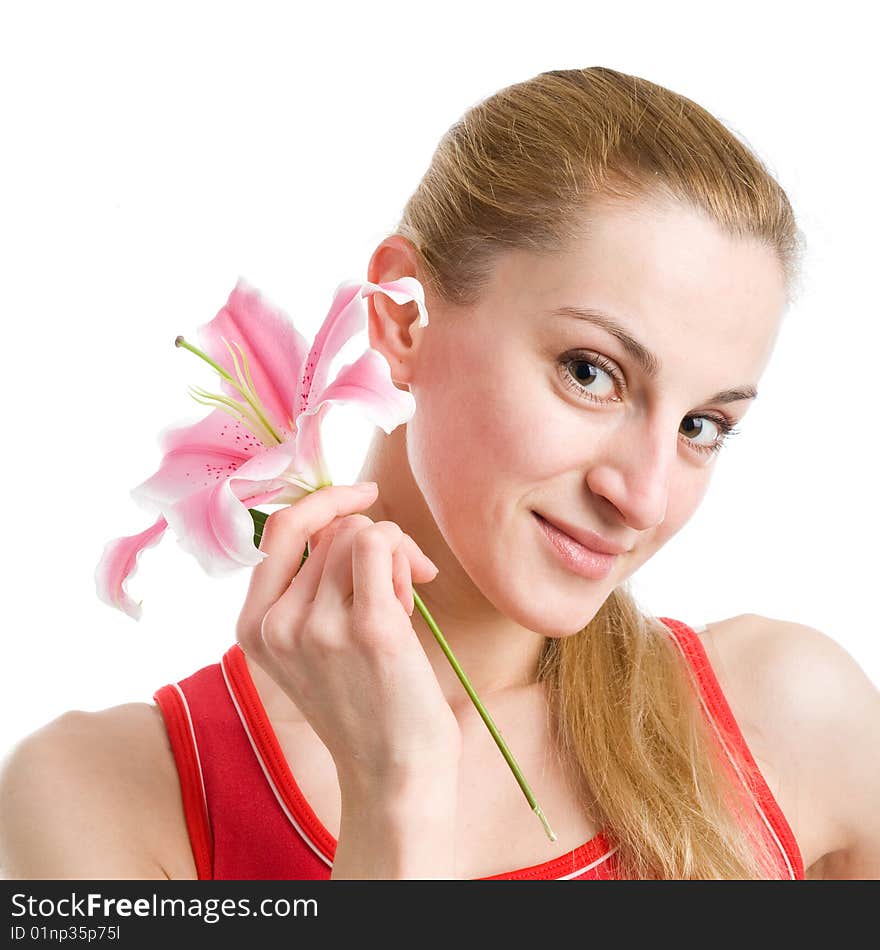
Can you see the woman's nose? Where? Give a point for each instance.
(634, 472)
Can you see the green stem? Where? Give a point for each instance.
(481, 709)
(260, 520)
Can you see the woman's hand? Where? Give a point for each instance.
(337, 638)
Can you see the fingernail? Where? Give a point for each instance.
(364, 486)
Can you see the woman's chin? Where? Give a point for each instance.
(553, 614)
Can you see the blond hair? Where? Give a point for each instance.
(519, 170)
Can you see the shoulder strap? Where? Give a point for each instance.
(732, 741)
(178, 722)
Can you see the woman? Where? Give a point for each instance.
(606, 268)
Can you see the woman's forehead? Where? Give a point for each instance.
(660, 271)
(709, 298)
(666, 251)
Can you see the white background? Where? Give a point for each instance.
(154, 152)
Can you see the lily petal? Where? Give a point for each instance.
(119, 562)
(347, 316)
(195, 456)
(214, 525)
(275, 350)
(367, 384)
(309, 448)
(403, 290)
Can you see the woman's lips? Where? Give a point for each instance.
(577, 558)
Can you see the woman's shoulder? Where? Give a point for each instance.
(105, 779)
(811, 718)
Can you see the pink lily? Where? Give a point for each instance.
(215, 470)
(262, 443)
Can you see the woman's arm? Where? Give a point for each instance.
(851, 737)
(64, 813)
(819, 702)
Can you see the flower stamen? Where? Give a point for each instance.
(234, 408)
(246, 391)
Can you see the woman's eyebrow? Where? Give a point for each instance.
(648, 361)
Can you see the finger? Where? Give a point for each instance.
(423, 568)
(334, 584)
(325, 533)
(285, 535)
(320, 540)
(332, 557)
(372, 564)
(402, 580)
(407, 563)
(302, 588)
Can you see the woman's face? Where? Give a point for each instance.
(522, 410)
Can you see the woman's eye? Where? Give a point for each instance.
(692, 427)
(589, 379)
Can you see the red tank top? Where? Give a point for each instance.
(248, 820)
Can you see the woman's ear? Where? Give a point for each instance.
(390, 325)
